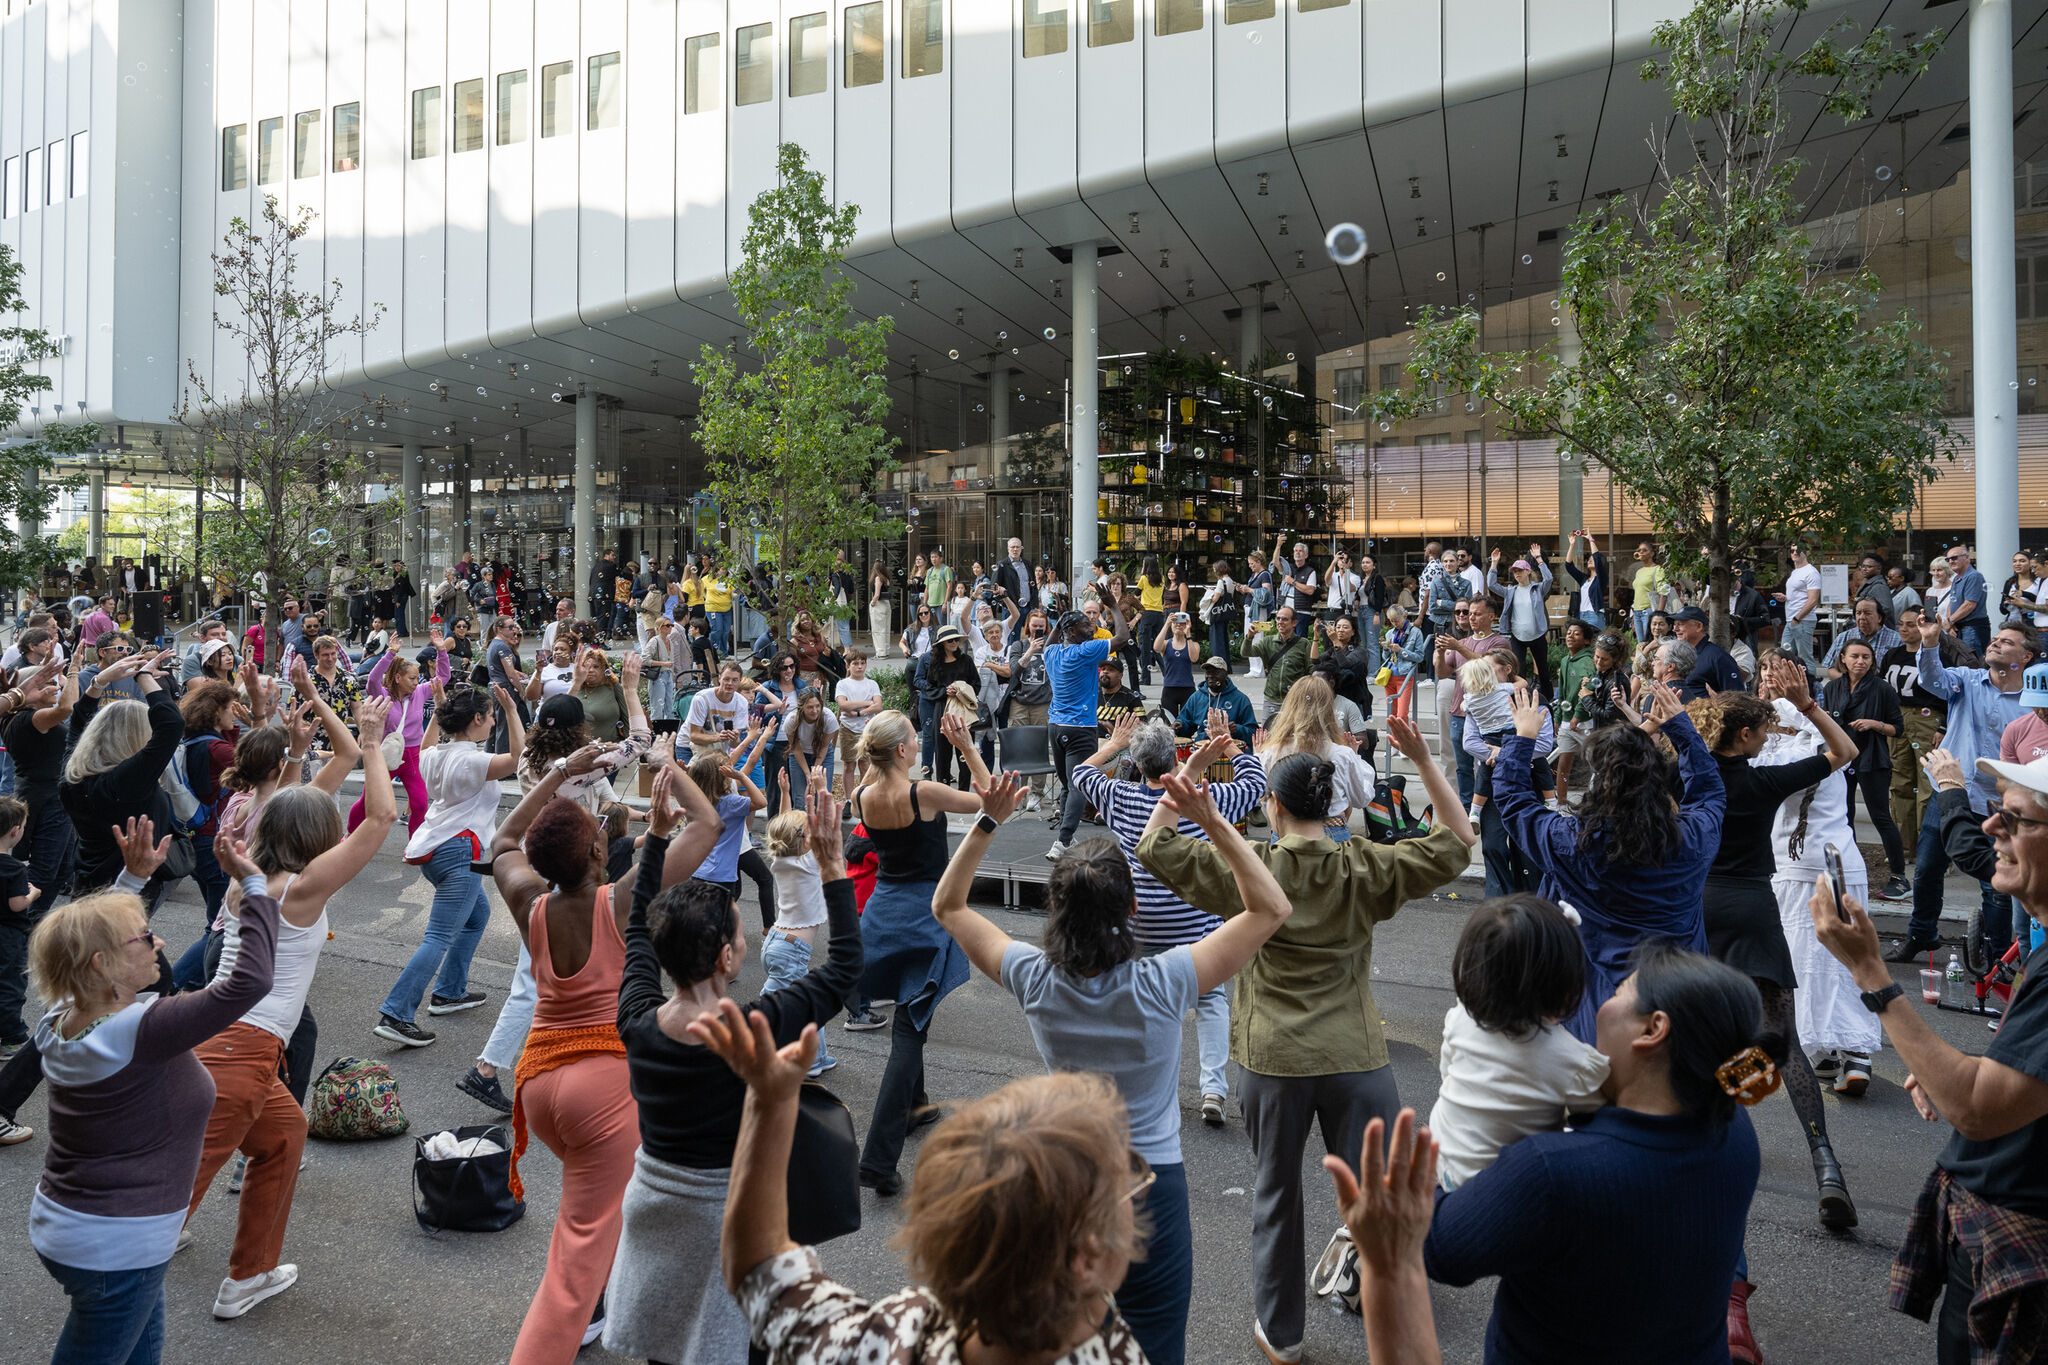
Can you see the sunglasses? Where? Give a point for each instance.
(144, 937)
(2012, 821)
(1142, 1177)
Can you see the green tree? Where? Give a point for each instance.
(1743, 392)
(27, 488)
(796, 443)
(272, 454)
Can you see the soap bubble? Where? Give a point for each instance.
(480, 392)
(1528, 259)
(1051, 333)
(1439, 276)
(952, 355)
(1345, 244)
(1884, 172)
(1255, 37)
(1267, 401)
(1671, 398)
(556, 396)
(1385, 427)
(320, 536)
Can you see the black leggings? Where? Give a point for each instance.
(1802, 1087)
(1876, 786)
(1538, 652)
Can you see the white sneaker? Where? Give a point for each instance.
(237, 1297)
(1031, 801)
(1059, 846)
(1474, 813)
(12, 1132)
(1279, 1355)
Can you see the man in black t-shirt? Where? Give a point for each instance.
(1989, 1189)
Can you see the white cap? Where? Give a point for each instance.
(2033, 776)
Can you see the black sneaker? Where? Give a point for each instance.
(1906, 949)
(1896, 889)
(863, 1021)
(454, 1004)
(403, 1031)
(884, 1183)
(484, 1090)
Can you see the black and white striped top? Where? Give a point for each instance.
(1164, 920)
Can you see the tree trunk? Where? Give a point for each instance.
(1718, 569)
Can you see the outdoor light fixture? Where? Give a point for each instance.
(1163, 261)
(913, 291)
(1553, 191)
(1019, 262)
(1191, 286)
(959, 317)
(1561, 147)
(1298, 264)
(1058, 292)
(1414, 187)
(1134, 227)
(1262, 184)
(1283, 225)
(1420, 230)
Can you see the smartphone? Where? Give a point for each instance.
(1834, 861)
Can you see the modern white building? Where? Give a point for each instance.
(545, 196)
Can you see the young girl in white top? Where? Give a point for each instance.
(1489, 694)
(1508, 1069)
(787, 948)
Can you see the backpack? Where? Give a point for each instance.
(188, 812)
(1388, 819)
(353, 1099)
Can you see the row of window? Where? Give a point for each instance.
(604, 108)
(44, 175)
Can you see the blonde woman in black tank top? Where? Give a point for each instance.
(908, 955)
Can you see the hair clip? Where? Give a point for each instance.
(1749, 1076)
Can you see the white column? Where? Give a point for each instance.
(1994, 325)
(410, 520)
(96, 517)
(1571, 469)
(586, 500)
(1082, 429)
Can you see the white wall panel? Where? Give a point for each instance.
(653, 108)
(1180, 113)
(305, 88)
(1250, 88)
(1046, 165)
(1325, 72)
(234, 54)
(78, 109)
(31, 254)
(1567, 35)
(601, 238)
(556, 38)
(807, 119)
(425, 212)
(861, 146)
(343, 190)
(754, 130)
(700, 156)
(1110, 149)
(922, 143)
(466, 306)
(387, 124)
(1483, 48)
(1403, 58)
(984, 124)
(1635, 19)
(510, 168)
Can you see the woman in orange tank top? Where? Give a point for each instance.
(570, 1089)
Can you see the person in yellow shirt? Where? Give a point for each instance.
(1653, 588)
(718, 608)
(1151, 615)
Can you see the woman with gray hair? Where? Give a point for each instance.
(1162, 920)
(1675, 662)
(111, 777)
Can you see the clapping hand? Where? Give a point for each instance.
(138, 854)
(999, 795)
(662, 812)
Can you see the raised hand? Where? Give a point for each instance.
(233, 855)
(301, 678)
(502, 697)
(298, 727)
(1219, 723)
(1190, 799)
(586, 759)
(1664, 705)
(1408, 740)
(138, 854)
(821, 814)
(372, 716)
(746, 1045)
(955, 730)
(1528, 712)
(629, 672)
(1000, 795)
(662, 812)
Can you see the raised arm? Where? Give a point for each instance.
(688, 853)
(1788, 680)
(517, 882)
(982, 941)
(375, 681)
(1450, 811)
(1119, 629)
(1220, 956)
(306, 899)
(506, 764)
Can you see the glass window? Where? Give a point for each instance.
(53, 187)
(32, 182)
(469, 116)
(1390, 377)
(1304, 6)
(511, 107)
(607, 92)
(11, 203)
(426, 123)
(924, 37)
(810, 57)
(270, 151)
(1350, 387)
(1244, 11)
(80, 163)
(348, 137)
(234, 158)
(2030, 275)
(1176, 16)
(557, 97)
(753, 64)
(1111, 21)
(702, 74)
(863, 45)
(306, 145)
(1045, 30)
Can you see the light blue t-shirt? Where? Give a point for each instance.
(1076, 681)
(722, 864)
(1125, 1023)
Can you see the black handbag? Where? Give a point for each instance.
(824, 1169)
(180, 857)
(466, 1194)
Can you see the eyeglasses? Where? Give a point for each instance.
(2012, 821)
(144, 937)
(1142, 1177)
(1956, 559)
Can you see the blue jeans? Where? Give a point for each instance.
(213, 886)
(661, 694)
(1976, 631)
(786, 960)
(721, 632)
(1930, 866)
(515, 1019)
(800, 776)
(1154, 1295)
(1369, 636)
(1596, 619)
(845, 632)
(117, 1316)
(455, 924)
(1467, 775)
(1641, 620)
(6, 773)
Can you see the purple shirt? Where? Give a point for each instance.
(412, 712)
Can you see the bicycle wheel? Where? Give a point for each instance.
(1977, 958)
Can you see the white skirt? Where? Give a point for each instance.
(1828, 1006)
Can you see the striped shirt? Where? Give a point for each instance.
(1164, 920)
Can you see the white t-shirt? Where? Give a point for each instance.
(462, 798)
(707, 712)
(555, 679)
(1477, 579)
(298, 954)
(799, 892)
(858, 691)
(1496, 1088)
(797, 731)
(1798, 583)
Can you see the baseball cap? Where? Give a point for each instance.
(1523, 565)
(559, 712)
(1691, 614)
(2033, 776)
(2034, 686)
(1217, 661)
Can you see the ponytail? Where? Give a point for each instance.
(1304, 785)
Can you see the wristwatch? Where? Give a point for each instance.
(560, 765)
(1875, 1001)
(988, 824)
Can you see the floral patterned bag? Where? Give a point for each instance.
(353, 1099)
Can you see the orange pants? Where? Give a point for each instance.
(1400, 696)
(254, 1112)
(585, 1114)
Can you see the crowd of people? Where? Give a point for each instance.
(1674, 928)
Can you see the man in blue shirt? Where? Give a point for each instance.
(1713, 667)
(1074, 665)
(1981, 703)
(1969, 616)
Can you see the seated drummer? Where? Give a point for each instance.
(1117, 701)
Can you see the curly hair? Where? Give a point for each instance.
(1721, 718)
(1089, 899)
(559, 842)
(545, 744)
(1629, 808)
(206, 706)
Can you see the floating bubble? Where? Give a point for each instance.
(1267, 401)
(1345, 244)
(1255, 37)
(556, 396)
(1528, 259)
(1440, 276)
(480, 392)
(1127, 369)
(1385, 427)
(1050, 333)
(1554, 322)
(320, 536)
(952, 355)
(1884, 172)
(1670, 398)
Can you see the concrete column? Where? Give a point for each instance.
(585, 525)
(998, 403)
(96, 517)
(1081, 431)
(410, 539)
(1994, 326)
(1251, 342)
(1571, 469)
